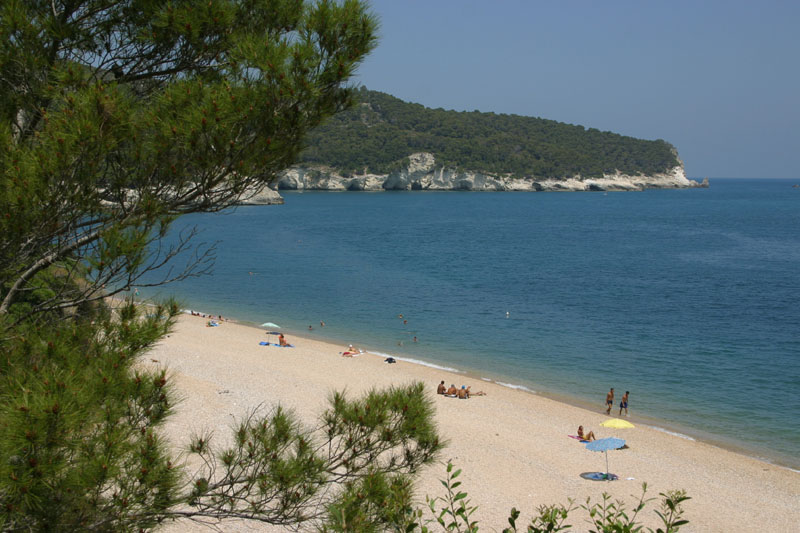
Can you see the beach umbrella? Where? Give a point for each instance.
(270, 325)
(603, 445)
(617, 423)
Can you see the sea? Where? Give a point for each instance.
(689, 299)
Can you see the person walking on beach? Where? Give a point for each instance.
(623, 404)
(609, 401)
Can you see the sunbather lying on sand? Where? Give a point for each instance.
(351, 351)
(588, 436)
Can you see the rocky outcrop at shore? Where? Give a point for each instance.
(263, 196)
(254, 196)
(422, 173)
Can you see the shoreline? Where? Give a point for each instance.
(512, 446)
(658, 424)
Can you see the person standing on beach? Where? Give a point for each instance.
(609, 401)
(623, 404)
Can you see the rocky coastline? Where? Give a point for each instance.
(422, 173)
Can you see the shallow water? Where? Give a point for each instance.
(690, 299)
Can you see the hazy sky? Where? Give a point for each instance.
(718, 79)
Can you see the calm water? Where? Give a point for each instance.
(690, 299)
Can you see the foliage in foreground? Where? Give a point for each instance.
(81, 446)
(118, 116)
(453, 512)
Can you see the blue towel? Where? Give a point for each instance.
(265, 343)
(599, 476)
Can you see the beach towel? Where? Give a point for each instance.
(265, 343)
(599, 476)
(577, 438)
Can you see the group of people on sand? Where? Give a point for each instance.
(452, 392)
(206, 315)
(623, 404)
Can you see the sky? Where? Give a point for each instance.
(720, 80)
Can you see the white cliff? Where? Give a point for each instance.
(422, 173)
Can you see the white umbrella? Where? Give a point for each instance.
(272, 325)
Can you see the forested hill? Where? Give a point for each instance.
(380, 132)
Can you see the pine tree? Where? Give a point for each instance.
(117, 117)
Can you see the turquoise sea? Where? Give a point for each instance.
(690, 299)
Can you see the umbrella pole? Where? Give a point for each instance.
(606, 464)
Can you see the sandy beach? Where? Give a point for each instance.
(513, 446)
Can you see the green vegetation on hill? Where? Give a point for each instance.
(382, 131)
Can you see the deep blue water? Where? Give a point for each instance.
(690, 299)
